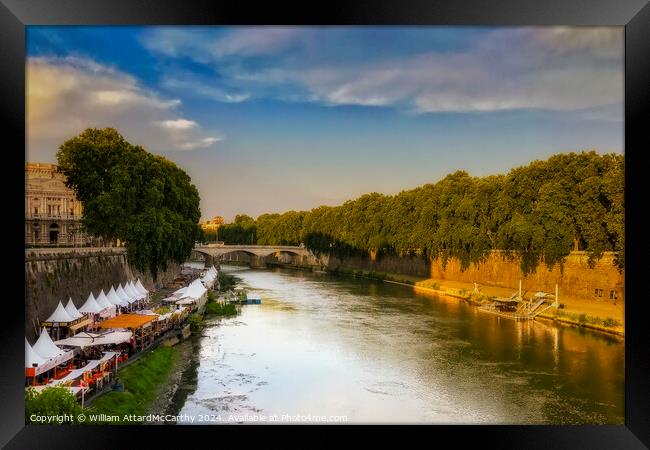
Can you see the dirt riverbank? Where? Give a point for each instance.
(167, 401)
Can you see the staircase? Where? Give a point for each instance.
(533, 310)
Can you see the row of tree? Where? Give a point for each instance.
(132, 195)
(538, 213)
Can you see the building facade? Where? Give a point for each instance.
(212, 225)
(52, 211)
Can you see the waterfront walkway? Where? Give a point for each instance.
(602, 309)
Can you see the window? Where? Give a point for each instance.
(600, 292)
(596, 293)
(35, 210)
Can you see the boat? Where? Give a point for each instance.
(242, 297)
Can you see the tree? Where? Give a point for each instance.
(535, 212)
(242, 231)
(51, 401)
(132, 195)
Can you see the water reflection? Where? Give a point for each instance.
(378, 352)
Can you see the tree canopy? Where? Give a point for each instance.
(538, 212)
(132, 195)
(53, 401)
(242, 231)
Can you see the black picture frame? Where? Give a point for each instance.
(634, 15)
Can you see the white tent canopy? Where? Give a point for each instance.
(73, 389)
(108, 307)
(90, 366)
(60, 315)
(102, 301)
(91, 306)
(129, 291)
(31, 357)
(186, 301)
(72, 310)
(121, 293)
(195, 290)
(86, 339)
(133, 292)
(45, 348)
(115, 299)
(181, 292)
(209, 277)
(140, 287)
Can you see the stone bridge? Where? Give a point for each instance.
(259, 254)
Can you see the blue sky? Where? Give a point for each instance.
(268, 119)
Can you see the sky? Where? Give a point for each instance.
(271, 119)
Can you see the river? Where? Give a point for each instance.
(339, 349)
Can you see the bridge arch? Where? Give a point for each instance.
(258, 253)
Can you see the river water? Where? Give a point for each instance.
(328, 348)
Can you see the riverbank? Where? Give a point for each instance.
(142, 380)
(598, 315)
(168, 390)
(181, 379)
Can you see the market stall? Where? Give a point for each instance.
(139, 324)
(60, 321)
(82, 321)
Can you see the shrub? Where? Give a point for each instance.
(226, 282)
(211, 297)
(51, 401)
(216, 309)
(195, 321)
(162, 310)
(429, 284)
(609, 322)
(582, 319)
(142, 381)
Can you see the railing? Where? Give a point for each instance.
(53, 216)
(538, 312)
(212, 245)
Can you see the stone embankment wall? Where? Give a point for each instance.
(576, 279)
(56, 274)
(412, 265)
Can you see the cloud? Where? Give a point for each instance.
(67, 95)
(207, 44)
(528, 74)
(178, 124)
(605, 42)
(200, 143)
(190, 84)
(551, 68)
